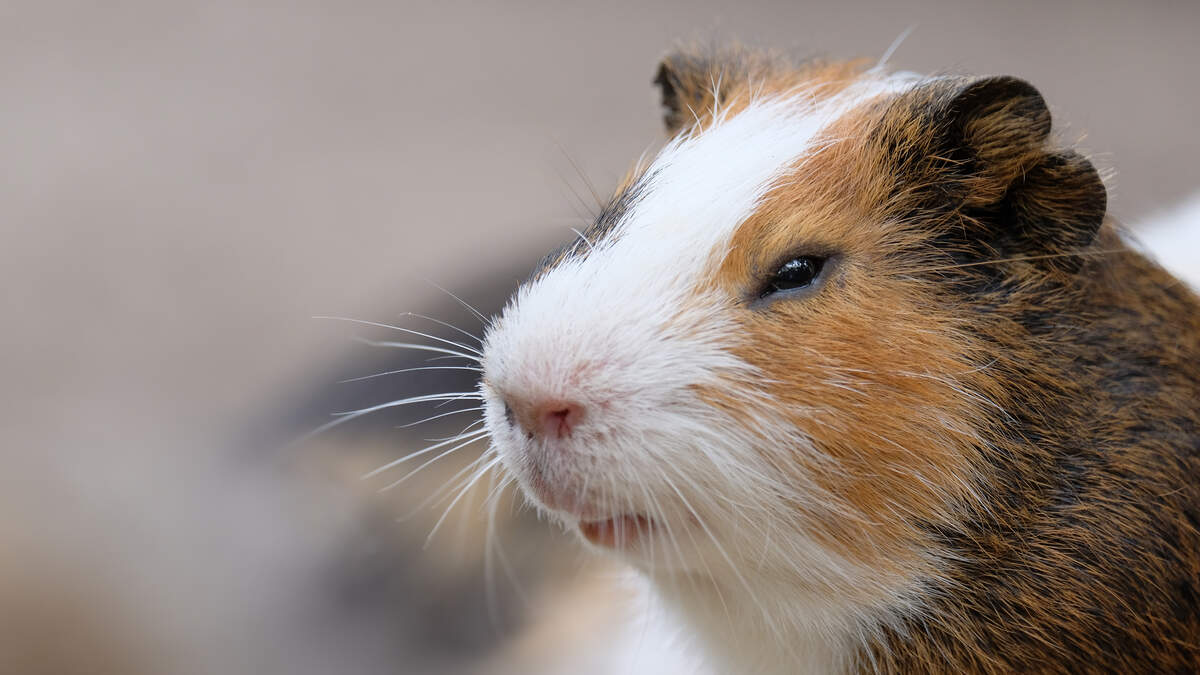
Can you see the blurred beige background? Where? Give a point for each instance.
(183, 186)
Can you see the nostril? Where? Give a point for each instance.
(557, 420)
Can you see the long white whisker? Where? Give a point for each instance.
(344, 417)
(445, 414)
(409, 370)
(474, 479)
(494, 502)
(466, 395)
(447, 324)
(417, 347)
(439, 493)
(489, 542)
(471, 437)
(460, 433)
(425, 398)
(460, 301)
(403, 330)
(894, 46)
(426, 463)
(441, 358)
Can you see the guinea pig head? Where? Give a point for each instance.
(756, 362)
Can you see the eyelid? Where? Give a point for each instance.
(810, 250)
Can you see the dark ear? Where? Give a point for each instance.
(1029, 197)
(693, 81)
(687, 83)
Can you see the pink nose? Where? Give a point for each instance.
(549, 419)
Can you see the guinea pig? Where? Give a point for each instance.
(859, 375)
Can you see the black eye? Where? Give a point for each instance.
(795, 273)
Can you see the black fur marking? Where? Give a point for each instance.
(602, 229)
(971, 165)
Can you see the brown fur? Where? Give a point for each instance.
(1009, 394)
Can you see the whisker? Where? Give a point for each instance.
(450, 396)
(441, 455)
(493, 503)
(408, 370)
(591, 246)
(489, 571)
(418, 347)
(505, 565)
(459, 300)
(466, 438)
(582, 176)
(447, 324)
(403, 330)
(675, 542)
(474, 396)
(445, 414)
(582, 211)
(443, 358)
(344, 417)
(460, 433)
(894, 46)
(479, 474)
(439, 493)
(997, 261)
(655, 515)
(721, 550)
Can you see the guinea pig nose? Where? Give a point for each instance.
(549, 419)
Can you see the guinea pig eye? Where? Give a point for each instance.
(793, 274)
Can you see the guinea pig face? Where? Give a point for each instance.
(735, 370)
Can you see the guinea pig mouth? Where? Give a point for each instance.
(620, 532)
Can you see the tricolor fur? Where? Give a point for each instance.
(971, 446)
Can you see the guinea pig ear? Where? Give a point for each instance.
(696, 81)
(1029, 197)
(996, 128)
(688, 84)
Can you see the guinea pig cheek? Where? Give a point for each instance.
(873, 381)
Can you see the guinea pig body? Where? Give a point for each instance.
(856, 372)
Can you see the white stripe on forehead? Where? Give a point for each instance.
(701, 188)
